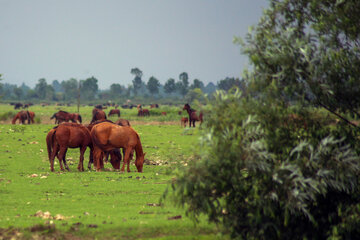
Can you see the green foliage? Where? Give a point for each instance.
(7, 115)
(270, 172)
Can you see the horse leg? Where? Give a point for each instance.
(194, 123)
(64, 160)
(81, 162)
(62, 156)
(52, 157)
(97, 156)
(127, 157)
(91, 159)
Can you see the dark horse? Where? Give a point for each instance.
(192, 115)
(62, 116)
(22, 116)
(64, 136)
(113, 112)
(98, 114)
(108, 136)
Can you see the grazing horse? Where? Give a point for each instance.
(23, 116)
(97, 115)
(192, 115)
(64, 136)
(143, 112)
(108, 136)
(122, 122)
(184, 120)
(62, 116)
(113, 112)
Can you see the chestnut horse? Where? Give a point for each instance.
(64, 136)
(108, 136)
(98, 114)
(184, 120)
(22, 116)
(192, 115)
(62, 116)
(143, 112)
(115, 156)
(122, 122)
(113, 112)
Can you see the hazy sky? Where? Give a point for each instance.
(63, 39)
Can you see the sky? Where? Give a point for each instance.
(59, 40)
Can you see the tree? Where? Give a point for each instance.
(18, 93)
(40, 88)
(269, 167)
(183, 84)
(70, 89)
(57, 86)
(169, 86)
(137, 82)
(197, 84)
(153, 85)
(228, 83)
(89, 88)
(116, 90)
(308, 51)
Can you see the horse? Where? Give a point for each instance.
(97, 115)
(184, 120)
(143, 112)
(192, 115)
(63, 116)
(154, 105)
(64, 136)
(23, 116)
(107, 136)
(113, 112)
(122, 122)
(163, 113)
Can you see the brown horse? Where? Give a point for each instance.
(97, 115)
(143, 112)
(22, 116)
(113, 112)
(107, 136)
(64, 136)
(122, 122)
(192, 115)
(184, 120)
(62, 116)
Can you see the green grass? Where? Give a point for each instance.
(95, 205)
(44, 113)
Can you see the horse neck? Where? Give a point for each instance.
(139, 149)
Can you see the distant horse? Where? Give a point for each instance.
(107, 136)
(122, 122)
(163, 113)
(192, 115)
(143, 112)
(113, 112)
(22, 116)
(64, 136)
(18, 105)
(154, 105)
(98, 115)
(184, 120)
(63, 116)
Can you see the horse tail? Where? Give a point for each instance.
(80, 119)
(49, 142)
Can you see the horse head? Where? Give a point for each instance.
(139, 162)
(186, 107)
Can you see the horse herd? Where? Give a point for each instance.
(102, 136)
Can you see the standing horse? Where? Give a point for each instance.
(192, 115)
(108, 136)
(184, 120)
(143, 112)
(64, 136)
(113, 112)
(62, 116)
(22, 116)
(97, 115)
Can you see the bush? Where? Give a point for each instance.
(266, 176)
(7, 115)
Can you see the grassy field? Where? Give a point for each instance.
(37, 203)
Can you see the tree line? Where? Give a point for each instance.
(88, 89)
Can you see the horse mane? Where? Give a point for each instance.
(70, 124)
(62, 111)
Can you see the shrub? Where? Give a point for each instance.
(265, 177)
